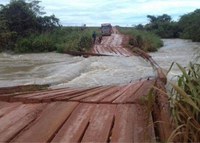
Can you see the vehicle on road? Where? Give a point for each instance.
(106, 29)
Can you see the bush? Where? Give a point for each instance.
(35, 43)
(144, 40)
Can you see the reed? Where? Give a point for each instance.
(184, 101)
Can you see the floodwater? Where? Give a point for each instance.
(61, 70)
(176, 50)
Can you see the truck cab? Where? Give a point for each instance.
(106, 29)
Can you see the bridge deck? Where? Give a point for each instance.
(101, 114)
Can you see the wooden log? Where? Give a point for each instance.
(77, 53)
(161, 113)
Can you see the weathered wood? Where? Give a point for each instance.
(12, 129)
(77, 53)
(128, 93)
(141, 93)
(91, 93)
(74, 128)
(112, 97)
(6, 107)
(48, 123)
(100, 124)
(161, 113)
(77, 93)
(100, 96)
(132, 124)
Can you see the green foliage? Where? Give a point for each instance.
(75, 39)
(20, 19)
(162, 26)
(144, 40)
(185, 103)
(60, 40)
(189, 23)
(35, 43)
(187, 27)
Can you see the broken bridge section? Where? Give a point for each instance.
(101, 114)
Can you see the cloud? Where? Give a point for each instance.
(117, 12)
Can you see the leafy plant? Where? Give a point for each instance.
(144, 40)
(185, 103)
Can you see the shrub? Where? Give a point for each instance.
(144, 40)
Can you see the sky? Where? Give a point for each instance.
(116, 12)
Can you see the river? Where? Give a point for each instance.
(61, 70)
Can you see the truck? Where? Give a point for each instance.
(106, 29)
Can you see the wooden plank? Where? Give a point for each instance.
(111, 98)
(10, 119)
(161, 113)
(54, 95)
(100, 124)
(75, 126)
(123, 128)
(77, 93)
(6, 108)
(92, 93)
(143, 125)
(48, 123)
(12, 129)
(102, 95)
(39, 93)
(143, 91)
(128, 93)
(132, 124)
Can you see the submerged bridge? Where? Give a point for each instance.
(136, 112)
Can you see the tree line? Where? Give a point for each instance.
(187, 27)
(20, 19)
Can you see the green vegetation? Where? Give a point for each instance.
(24, 29)
(185, 102)
(144, 40)
(163, 26)
(189, 23)
(61, 40)
(20, 19)
(187, 27)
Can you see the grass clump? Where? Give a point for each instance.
(185, 105)
(144, 40)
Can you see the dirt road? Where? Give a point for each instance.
(112, 45)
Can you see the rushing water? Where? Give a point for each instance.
(176, 50)
(61, 70)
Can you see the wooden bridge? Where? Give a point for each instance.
(135, 112)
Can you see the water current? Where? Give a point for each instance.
(62, 70)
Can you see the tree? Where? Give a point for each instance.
(163, 26)
(20, 19)
(189, 24)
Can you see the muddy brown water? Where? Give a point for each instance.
(61, 70)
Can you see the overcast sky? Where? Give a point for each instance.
(116, 12)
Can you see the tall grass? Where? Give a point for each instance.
(60, 40)
(144, 40)
(185, 105)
